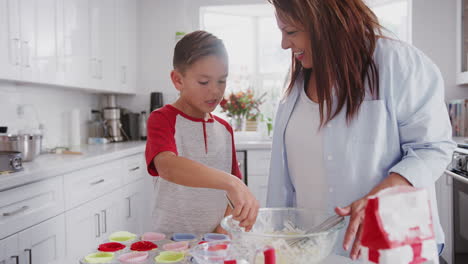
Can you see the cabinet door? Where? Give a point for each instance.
(76, 55)
(133, 207)
(28, 19)
(44, 243)
(102, 17)
(9, 40)
(126, 46)
(46, 34)
(90, 224)
(111, 214)
(83, 230)
(9, 250)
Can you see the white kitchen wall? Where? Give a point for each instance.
(434, 32)
(53, 106)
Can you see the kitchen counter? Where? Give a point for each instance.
(252, 145)
(50, 165)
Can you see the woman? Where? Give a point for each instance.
(370, 108)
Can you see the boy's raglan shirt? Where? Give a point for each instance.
(210, 142)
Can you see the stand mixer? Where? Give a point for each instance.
(112, 124)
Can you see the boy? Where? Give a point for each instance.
(191, 150)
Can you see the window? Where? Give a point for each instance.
(253, 42)
(394, 16)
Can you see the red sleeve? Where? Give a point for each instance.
(235, 165)
(160, 138)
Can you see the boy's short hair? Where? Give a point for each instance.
(194, 46)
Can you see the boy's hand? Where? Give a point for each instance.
(245, 204)
(220, 230)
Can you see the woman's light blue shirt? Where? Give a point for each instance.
(406, 131)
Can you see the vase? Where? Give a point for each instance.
(238, 123)
(251, 125)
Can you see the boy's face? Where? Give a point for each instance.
(202, 85)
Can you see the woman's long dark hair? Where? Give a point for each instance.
(343, 36)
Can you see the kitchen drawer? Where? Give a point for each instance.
(135, 168)
(87, 184)
(258, 163)
(30, 204)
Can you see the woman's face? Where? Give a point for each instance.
(297, 40)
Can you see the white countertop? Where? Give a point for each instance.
(50, 165)
(253, 145)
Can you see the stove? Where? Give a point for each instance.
(459, 171)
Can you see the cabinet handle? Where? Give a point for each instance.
(100, 69)
(136, 168)
(104, 221)
(30, 254)
(97, 182)
(26, 56)
(93, 68)
(98, 225)
(16, 259)
(129, 200)
(16, 50)
(124, 74)
(20, 210)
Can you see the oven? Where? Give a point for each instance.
(459, 172)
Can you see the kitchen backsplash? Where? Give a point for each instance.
(53, 106)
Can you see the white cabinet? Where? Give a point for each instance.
(9, 250)
(87, 184)
(102, 33)
(87, 44)
(44, 243)
(9, 40)
(258, 166)
(126, 45)
(40, 222)
(134, 206)
(77, 50)
(91, 224)
(27, 205)
(39, 40)
(29, 40)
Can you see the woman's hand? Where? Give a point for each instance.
(356, 213)
(245, 204)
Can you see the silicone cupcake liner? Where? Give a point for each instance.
(183, 237)
(170, 257)
(123, 237)
(143, 246)
(176, 246)
(215, 237)
(153, 236)
(113, 247)
(99, 257)
(134, 258)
